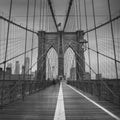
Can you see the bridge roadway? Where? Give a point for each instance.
(58, 103)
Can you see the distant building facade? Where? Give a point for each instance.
(73, 73)
(87, 76)
(9, 65)
(10, 76)
(23, 69)
(27, 65)
(98, 76)
(17, 68)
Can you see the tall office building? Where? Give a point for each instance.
(73, 70)
(17, 68)
(87, 76)
(23, 69)
(73, 73)
(27, 64)
(8, 71)
(9, 65)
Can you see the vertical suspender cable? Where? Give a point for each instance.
(45, 15)
(112, 33)
(8, 29)
(87, 36)
(43, 22)
(46, 21)
(95, 36)
(26, 35)
(80, 15)
(6, 50)
(1, 49)
(33, 33)
(40, 15)
(77, 15)
(78, 7)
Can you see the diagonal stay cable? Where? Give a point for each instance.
(18, 55)
(7, 94)
(95, 73)
(104, 84)
(20, 81)
(22, 27)
(103, 55)
(53, 15)
(78, 74)
(21, 54)
(27, 72)
(68, 13)
(99, 26)
(96, 51)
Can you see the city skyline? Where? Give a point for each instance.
(17, 35)
(17, 68)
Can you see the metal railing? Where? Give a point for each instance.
(26, 87)
(98, 89)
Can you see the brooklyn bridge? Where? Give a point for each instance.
(59, 60)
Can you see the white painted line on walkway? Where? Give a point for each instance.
(104, 109)
(60, 111)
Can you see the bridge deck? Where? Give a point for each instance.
(42, 106)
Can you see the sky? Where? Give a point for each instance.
(60, 8)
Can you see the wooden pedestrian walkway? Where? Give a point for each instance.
(79, 107)
(45, 105)
(39, 106)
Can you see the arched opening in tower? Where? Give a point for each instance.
(70, 64)
(51, 64)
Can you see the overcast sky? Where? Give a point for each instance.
(59, 6)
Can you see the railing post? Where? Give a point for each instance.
(119, 101)
(99, 90)
(91, 84)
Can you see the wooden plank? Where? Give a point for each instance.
(39, 106)
(79, 108)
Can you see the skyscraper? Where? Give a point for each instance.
(73, 70)
(73, 73)
(17, 68)
(23, 69)
(27, 64)
(9, 65)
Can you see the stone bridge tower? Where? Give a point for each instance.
(60, 41)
